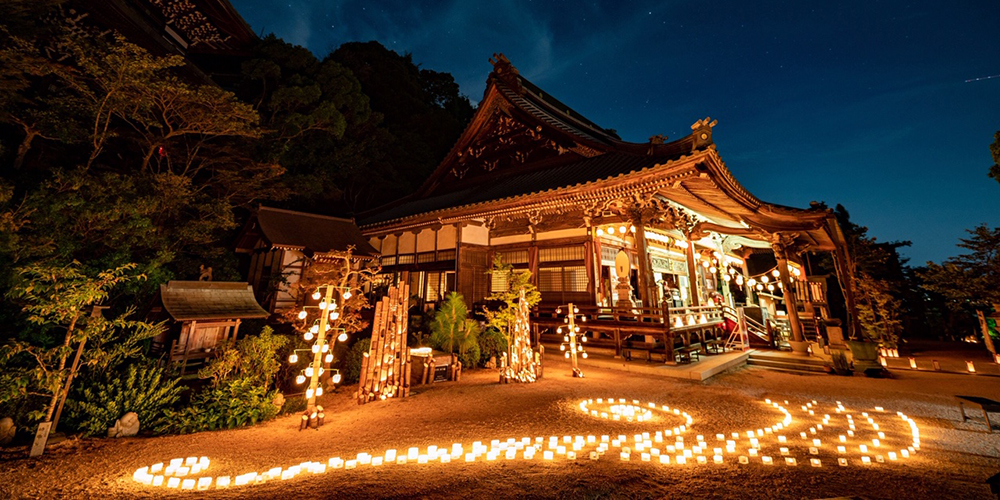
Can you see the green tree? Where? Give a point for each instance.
(453, 331)
(968, 282)
(422, 111)
(56, 299)
(502, 313)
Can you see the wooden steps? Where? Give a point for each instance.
(780, 361)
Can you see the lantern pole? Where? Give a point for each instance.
(320, 341)
(570, 339)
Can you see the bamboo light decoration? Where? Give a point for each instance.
(520, 366)
(385, 369)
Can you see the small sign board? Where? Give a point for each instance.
(41, 437)
(441, 373)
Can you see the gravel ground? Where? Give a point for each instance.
(954, 460)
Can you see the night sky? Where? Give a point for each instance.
(860, 103)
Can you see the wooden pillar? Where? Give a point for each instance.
(751, 292)
(791, 302)
(645, 269)
(692, 272)
(845, 276)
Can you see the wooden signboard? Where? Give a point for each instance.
(41, 437)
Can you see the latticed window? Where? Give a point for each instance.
(514, 257)
(560, 254)
(498, 281)
(437, 284)
(562, 279)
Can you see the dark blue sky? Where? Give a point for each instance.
(860, 103)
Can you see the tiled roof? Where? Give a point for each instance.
(205, 300)
(515, 184)
(317, 233)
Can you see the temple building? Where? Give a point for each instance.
(656, 229)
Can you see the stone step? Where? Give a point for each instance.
(786, 358)
(782, 365)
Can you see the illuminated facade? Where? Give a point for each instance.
(535, 183)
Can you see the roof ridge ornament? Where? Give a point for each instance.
(505, 72)
(701, 131)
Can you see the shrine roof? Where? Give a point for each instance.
(205, 300)
(311, 233)
(521, 183)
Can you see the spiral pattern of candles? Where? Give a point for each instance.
(846, 436)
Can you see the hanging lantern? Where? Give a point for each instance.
(346, 295)
(314, 329)
(342, 337)
(631, 228)
(308, 336)
(316, 295)
(315, 348)
(294, 358)
(322, 304)
(764, 279)
(303, 314)
(300, 379)
(776, 273)
(328, 358)
(336, 378)
(752, 282)
(621, 229)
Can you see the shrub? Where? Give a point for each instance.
(492, 343)
(142, 389)
(231, 404)
(453, 331)
(240, 390)
(352, 364)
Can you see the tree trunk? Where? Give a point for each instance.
(24, 147)
(62, 365)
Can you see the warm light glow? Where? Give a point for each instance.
(303, 314)
(316, 295)
(649, 446)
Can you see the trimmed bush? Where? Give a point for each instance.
(143, 388)
(352, 364)
(492, 343)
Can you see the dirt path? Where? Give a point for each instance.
(953, 462)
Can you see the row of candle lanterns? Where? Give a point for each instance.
(666, 446)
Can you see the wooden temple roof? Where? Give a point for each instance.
(317, 235)
(208, 300)
(524, 150)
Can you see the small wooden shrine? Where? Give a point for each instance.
(202, 316)
(276, 246)
(533, 182)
